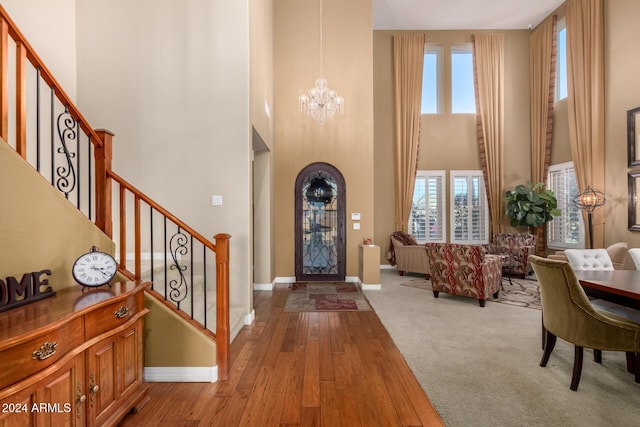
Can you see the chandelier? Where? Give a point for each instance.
(321, 103)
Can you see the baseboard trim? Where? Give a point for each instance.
(355, 279)
(249, 318)
(371, 286)
(387, 267)
(186, 374)
(263, 286)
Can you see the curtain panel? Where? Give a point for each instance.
(408, 58)
(585, 81)
(488, 70)
(542, 72)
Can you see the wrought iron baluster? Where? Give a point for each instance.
(66, 180)
(78, 164)
(204, 280)
(151, 240)
(166, 278)
(38, 119)
(191, 275)
(52, 139)
(178, 246)
(89, 175)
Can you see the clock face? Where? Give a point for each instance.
(94, 269)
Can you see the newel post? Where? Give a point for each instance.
(222, 311)
(103, 155)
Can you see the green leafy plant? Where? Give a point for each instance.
(531, 205)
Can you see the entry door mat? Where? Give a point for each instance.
(325, 296)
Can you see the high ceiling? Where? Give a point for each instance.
(460, 14)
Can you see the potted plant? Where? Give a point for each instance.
(531, 205)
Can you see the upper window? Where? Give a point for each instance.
(431, 97)
(567, 229)
(463, 97)
(561, 62)
(427, 220)
(469, 210)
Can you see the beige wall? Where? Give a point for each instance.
(187, 346)
(50, 28)
(345, 142)
(39, 228)
(448, 141)
(171, 80)
(261, 102)
(622, 93)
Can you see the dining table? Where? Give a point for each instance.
(618, 286)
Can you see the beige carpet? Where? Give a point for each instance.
(480, 366)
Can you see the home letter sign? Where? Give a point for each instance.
(30, 288)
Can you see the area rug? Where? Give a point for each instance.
(325, 296)
(520, 292)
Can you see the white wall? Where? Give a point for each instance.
(50, 29)
(171, 80)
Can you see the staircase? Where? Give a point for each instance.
(190, 273)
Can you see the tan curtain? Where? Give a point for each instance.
(585, 79)
(542, 73)
(408, 57)
(488, 70)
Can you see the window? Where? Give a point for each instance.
(427, 219)
(469, 210)
(561, 62)
(566, 230)
(431, 81)
(463, 97)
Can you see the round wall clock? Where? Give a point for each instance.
(94, 268)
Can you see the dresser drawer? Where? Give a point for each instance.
(113, 315)
(28, 357)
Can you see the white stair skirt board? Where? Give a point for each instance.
(193, 374)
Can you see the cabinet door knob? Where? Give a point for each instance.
(80, 398)
(121, 312)
(45, 351)
(93, 389)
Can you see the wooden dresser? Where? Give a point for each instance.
(74, 359)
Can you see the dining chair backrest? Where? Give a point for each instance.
(589, 259)
(564, 302)
(634, 253)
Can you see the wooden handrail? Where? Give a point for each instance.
(123, 183)
(46, 75)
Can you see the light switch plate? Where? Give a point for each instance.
(356, 226)
(216, 200)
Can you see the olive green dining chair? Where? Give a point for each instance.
(568, 314)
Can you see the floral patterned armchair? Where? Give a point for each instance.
(465, 270)
(518, 247)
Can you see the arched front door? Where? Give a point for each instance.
(320, 223)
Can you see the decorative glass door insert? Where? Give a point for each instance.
(320, 223)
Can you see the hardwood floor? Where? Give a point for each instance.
(297, 369)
